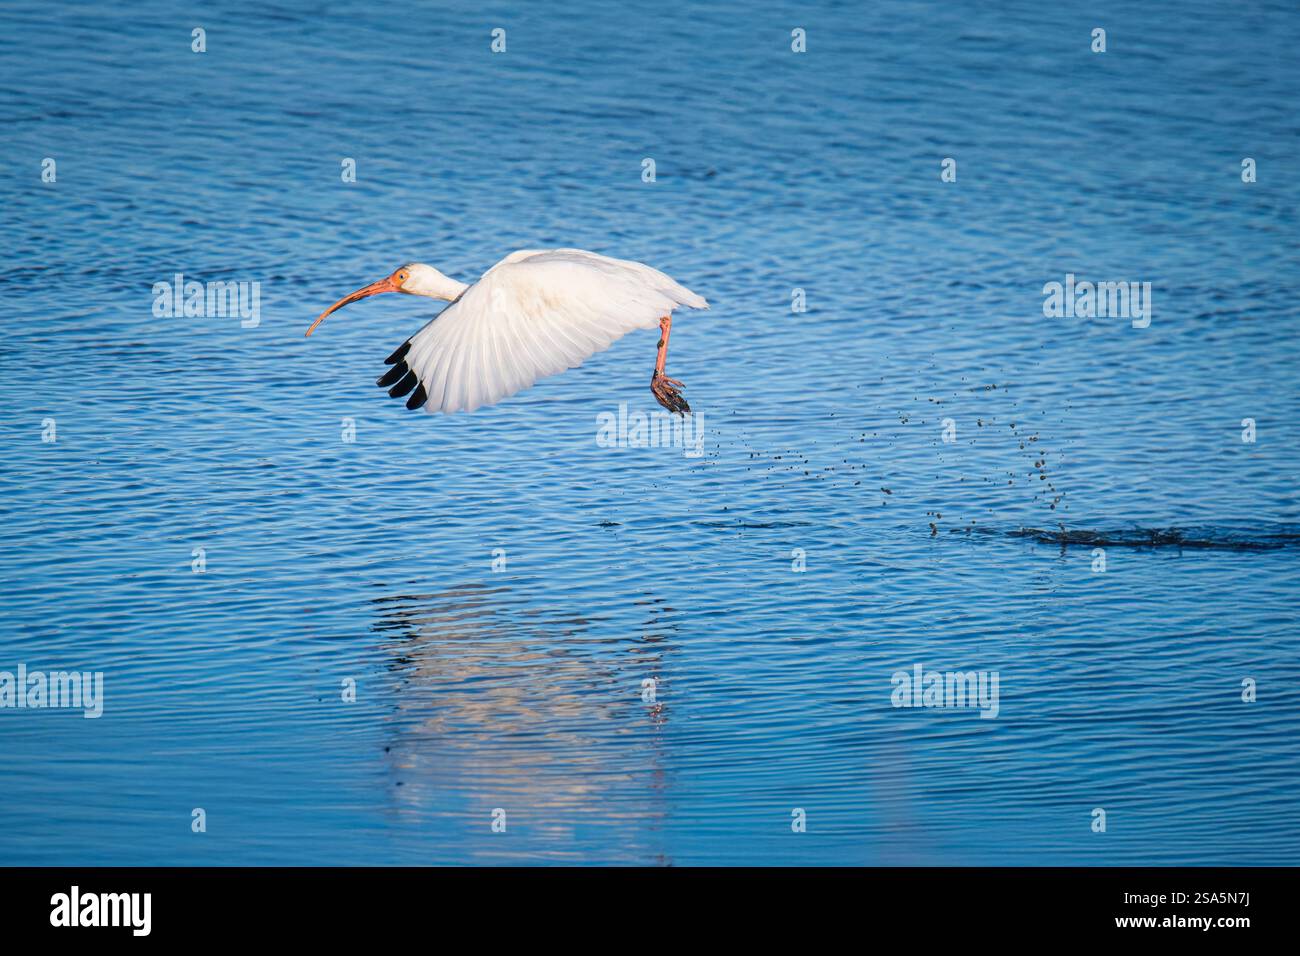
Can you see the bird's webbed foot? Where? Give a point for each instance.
(666, 393)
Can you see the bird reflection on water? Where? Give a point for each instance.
(499, 704)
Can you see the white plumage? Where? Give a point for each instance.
(532, 315)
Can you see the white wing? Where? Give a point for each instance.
(533, 314)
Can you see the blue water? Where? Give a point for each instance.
(521, 688)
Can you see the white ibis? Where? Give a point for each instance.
(533, 314)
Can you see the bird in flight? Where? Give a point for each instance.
(533, 314)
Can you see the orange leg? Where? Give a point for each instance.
(666, 389)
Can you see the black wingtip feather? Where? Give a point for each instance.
(399, 354)
(405, 385)
(418, 398)
(392, 375)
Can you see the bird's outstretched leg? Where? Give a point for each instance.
(666, 389)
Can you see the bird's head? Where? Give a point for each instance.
(414, 278)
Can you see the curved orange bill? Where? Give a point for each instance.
(388, 284)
